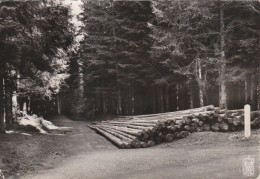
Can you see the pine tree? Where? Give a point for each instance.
(34, 44)
(115, 50)
(183, 33)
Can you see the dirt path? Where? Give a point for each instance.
(21, 154)
(153, 163)
(83, 154)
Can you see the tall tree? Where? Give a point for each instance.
(222, 70)
(115, 50)
(34, 47)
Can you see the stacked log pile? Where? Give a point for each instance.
(149, 130)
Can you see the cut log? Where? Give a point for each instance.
(169, 137)
(134, 132)
(220, 119)
(192, 129)
(224, 127)
(118, 142)
(235, 122)
(141, 128)
(145, 138)
(118, 135)
(255, 114)
(132, 123)
(171, 129)
(200, 123)
(187, 128)
(169, 122)
(206, 127)
(229, 120)
(184, 134)
(158, 139)
(144, 145)
(255, 122)
(195, 120)
(121, 133)
(138, 144)
(177, 135)
(232, 128)
(146, 129)
(179, 122)
(215, 127)
(151, 143)
(199, 129)
(189, 111)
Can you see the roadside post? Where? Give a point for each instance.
(247, 120)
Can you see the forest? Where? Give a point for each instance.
(134, 57)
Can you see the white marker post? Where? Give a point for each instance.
(247, 121)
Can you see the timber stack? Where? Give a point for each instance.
(148, 130)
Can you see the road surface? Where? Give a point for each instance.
(83, 154)
(154, 163)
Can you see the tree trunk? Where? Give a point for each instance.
(247, 88)
(253, 91)
(161, 99)
(177, 97)
(140, 105)
(113, 103)
(257, 77)
(25, 107)
(191, 95)
(258, 87)
(15, 105)
(29, 105)
(154, 98)
(222, 70)
(132, 100)
(104, 103)
(98, 102)
(200, 82)
(8, 104)
(58, 104)
(127, 100)
(119, 105)
(167, 98)
(2, 124)
(81, 79)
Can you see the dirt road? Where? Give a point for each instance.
(153, 164)
(83, 154)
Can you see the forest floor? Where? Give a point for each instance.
(83, 154)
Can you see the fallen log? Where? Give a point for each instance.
(150, 143)
(188, 111)
(195, 120)
(206, 127)
(169, 137)
(149, 130)
(132, 137)
(134, 132)
(132, 123)
(145, 138)
(146, 129)
(118, 142)
(115, 133)
(184, 134)
(144, 145)
(224, 127)
(215, 127)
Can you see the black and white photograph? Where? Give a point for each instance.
(129, 89)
